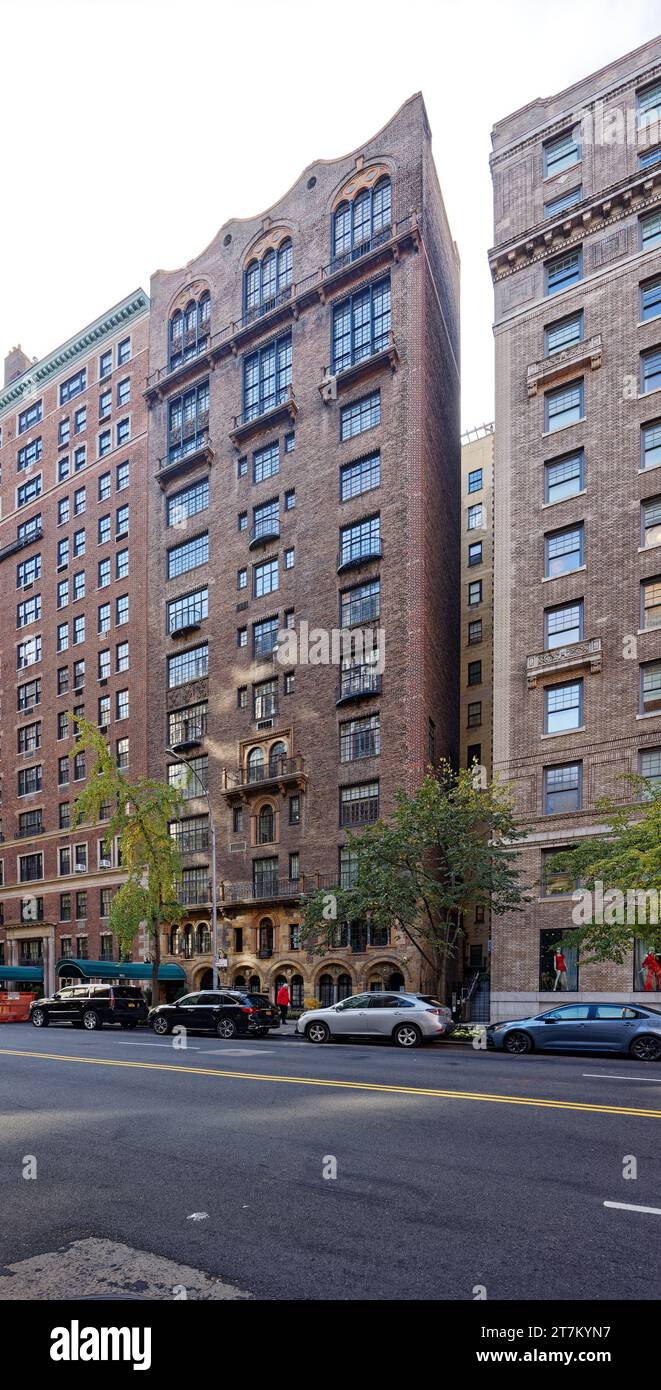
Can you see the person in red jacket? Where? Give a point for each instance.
(282, 1001)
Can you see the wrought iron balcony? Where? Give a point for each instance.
(194, 896)
(569, 658)
(190, 734)
(263, 890)
(358, 683)
(264, 532)
(191, 621)
(14, 546)
(252, 419)
(336, 377)
(357, 253)
(280, 771)
(352, 556)
(177, 459)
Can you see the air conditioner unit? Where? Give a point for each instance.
(27, 587)
(264, 723)
(80, 868)
(103, 680)
(65, 566)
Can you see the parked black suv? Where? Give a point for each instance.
(90, 1006)
(231, 1013)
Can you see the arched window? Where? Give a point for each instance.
(266, 936)
(267, 282)
(395, 982)
(174, 941)
(296, 991)
(189, 331)
(344, 986)
(239, 981)
(255, 765)
(277, 758)
(255, 984)
(266, 826)
(326, 991)
(359, 225)
(203, 940)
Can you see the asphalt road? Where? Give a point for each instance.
(454, 1168)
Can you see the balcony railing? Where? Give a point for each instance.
(15, 546)
(188, 621)
(357, 252)
(359, 553)
(279, 770)
(358, 683)
(191, 841)
(262, 890)
(180, 456)
(256, 416)
(195, 896)
(264, 531)
(188, 734)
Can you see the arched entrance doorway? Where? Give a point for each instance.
(395, 981)
(206, 980)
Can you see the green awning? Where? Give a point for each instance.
(114, 970)
(32, 974)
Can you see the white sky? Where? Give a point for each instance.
(132, 129)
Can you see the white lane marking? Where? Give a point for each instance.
(188, 1048)
(619, 1076)
(628, 1206)
(198, 1216)
(234, 1052)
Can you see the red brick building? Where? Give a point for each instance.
(304, 478)
(73, 552)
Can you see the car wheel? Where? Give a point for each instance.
(646, 1048)
(39, 1018)
(407, 1035)
(317, 1032)
(90, 1020)
(160, 1025)
(226, 1028)
(518, 1043)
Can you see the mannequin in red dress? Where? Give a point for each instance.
(560, 967)
(652, 970)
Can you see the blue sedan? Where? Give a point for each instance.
(583, 1028)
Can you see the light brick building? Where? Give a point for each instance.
(73, 528)
(577, 672)
(304, 474)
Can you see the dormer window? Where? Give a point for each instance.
(357, 225)
(189, 331)
(266, 282)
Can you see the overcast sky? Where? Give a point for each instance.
(132, 129)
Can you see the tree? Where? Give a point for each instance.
(449, 847)
(619, 872)
(141, 813)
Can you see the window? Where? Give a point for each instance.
(80, 420)
(28, 695)
(290, 499)
(475, 632)
(122, 475)
(79, 674)
(30, 823)
(62, 680)
(563, 406)
(359, 804)
(267, 376)
(563, 707)
(105, 364)
(264, 637)
(103, 711)
(103, 664)
(78, 767)
(651, 522)
(105, 404)
(266, 463)
(188, 611)
(121, 609)
(122, 753)
(365, 221)
(28, 455)
(62, 637)
(265, 700)
(122, 656)
(79, 543)
(474, 755)
(558, 969)
(122, 704)
(650, 299)
(651, 445)
(123, 352)
(360, 605)
(649, 157)
(563, 625)
(188, 666)
(475, 553)
(290, 442)
(29, 611)
(649, 105)
(268, 281)
(103, 620)
(28, 652)
(474, 517)
(362, 476)
(29, 780)
(73, 386)
(361, 541)
(265, 578)
(188, 724)
(79, 458)
(290, 558)
(290, 683)
(475, 481)
(103, 574)
(563, 477)
(124, 391)
(63, 511)
(30, 417)
(361, 325)
(650, 365)
(475, 593)
(63, 432)
(295, 809)
(564, 551)
(563, 202)
(266, 521)
(122, 432)
(188, 502)
(360, 415)
(30, 867)
(103, 530)
(562, 788)
(348, 867)
(650, 231)
(81, 913)
(28, 491)
(122, 522)
(649, 766)
(474, 673)
(122, 564)
(63, 468)
(474, 718)
(563, 271)
(104, 443)
(563, 334)
(29, 530)
(360, 738)
(650, 688)
(561, 152)
(79, 585)
(29, 738)
(79, 629)
(79, 501)
(63, 771)
(650, 603)
(189, 555)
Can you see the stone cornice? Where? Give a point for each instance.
(638, 194)
(33, 380)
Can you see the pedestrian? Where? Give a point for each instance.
(282, 1001)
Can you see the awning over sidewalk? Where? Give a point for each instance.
(29, 974)
(114, 970)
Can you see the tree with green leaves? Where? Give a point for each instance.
(140, 818)
(619, 872)
(448, 848)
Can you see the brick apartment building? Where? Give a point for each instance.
(304, 475)
(73, 527)
(577, 671)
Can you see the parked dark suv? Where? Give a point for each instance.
(230, 1013)
(90, 1006)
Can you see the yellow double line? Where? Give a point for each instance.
(434, 1092)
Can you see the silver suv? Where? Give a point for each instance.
(407, 1019)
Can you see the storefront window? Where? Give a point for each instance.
(558, 963)
(646, 969)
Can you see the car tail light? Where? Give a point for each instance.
(246, 1010)
(439, 1012)
(112, 1001)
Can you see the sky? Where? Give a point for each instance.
(132, 129)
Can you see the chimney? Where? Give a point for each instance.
(16, 363)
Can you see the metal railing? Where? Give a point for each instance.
(357, 681)
(265, 772)
(284, 397)
(357, 552)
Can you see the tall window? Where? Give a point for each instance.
(188, 555)
(563, 477)
(268, 281)
(650, 688)
(650, 603)
(563, 625)
(189, 331)
(267, 376)
(361, 325)
(360, 605)
(188, 666)
(561, 152)
(563, 334)
(362, 223)
(188, 502)
(563, 707)
(650, 369)
(188, 422)
(650, 231)
(564, 551)
(359, 804)
(651, 521)
(188, 611)
(563, 271)
(361, 541)
(563, 406)
(650, 299)
(562, 788)
(359, 477)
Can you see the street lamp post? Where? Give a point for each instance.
(214, 887)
